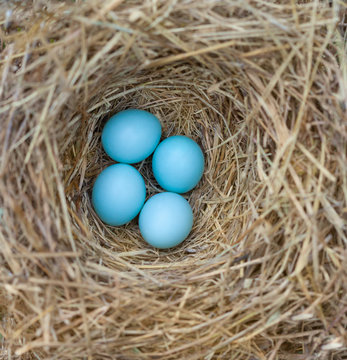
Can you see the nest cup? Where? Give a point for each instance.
(262, 89)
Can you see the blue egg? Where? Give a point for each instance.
(119, 193)
(130, 136)
(178, 164)
(166, 220)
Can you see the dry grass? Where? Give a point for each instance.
(262, 87)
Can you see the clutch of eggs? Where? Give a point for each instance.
(119, 191)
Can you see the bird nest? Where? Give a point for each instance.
(262, 88)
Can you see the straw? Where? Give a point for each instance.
(262, 87)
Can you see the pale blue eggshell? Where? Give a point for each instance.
(130, 136)
(165, 220)
(178, 164)
(119, 193)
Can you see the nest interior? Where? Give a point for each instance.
(261, 86)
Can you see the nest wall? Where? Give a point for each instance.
(261, 86)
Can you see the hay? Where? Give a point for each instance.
(262, 87)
